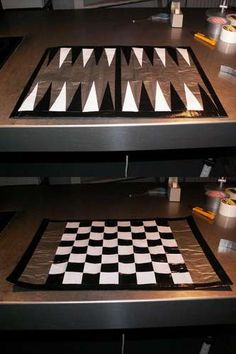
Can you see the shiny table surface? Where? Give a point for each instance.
(107, 309)
(43, 29)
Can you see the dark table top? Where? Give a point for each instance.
(107, 309)
(43, 29)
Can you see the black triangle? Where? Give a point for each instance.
(177, 105)
(173, 54)
(149, 52)
(98, 53)
(145, 103)
(127, 53)
(44, 103)
(208, 105)
(107, 103)
(75, 53)
(76, 105)
(52, 54)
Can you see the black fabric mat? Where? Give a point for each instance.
(153, 254)
(157, 82)
(5, 217)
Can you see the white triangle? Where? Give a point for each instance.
(192, 102)
(63, 54)
(184, 53)
(86, 55)
(129, 104)
(28, 104)
(161, 52)
(60, 103)
(160, 102)
(110, 52)
(139, 54)
(91, 104)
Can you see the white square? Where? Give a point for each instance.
(72, 278)
(127, 268)
(68, 237)
(98, 223)
(140, 243)
(109, 278)
(72, 225)
(81, 243)
(149, 223)
(145, 278)
(169, 243)
(110, 243)
(58, 268)
(84, 230)
(137, 229)
(156, 250)
(164, 229)
(142, 258)
(122, 250)
(77, 258)
(92, 268)
(123, 223)
(174, 258)
(63, 250)
(109, 258)
(94, 251)
(152, 235)
(124, 235)
(110, 229)
(96, 236)
(161, 267)
(182, 278)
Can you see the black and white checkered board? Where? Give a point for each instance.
(118, 253)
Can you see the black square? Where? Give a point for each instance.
(144, 267)
(82, 236)
(178, 268)
(138, 235)
(78, 250)
(110, 223)
(75, 267)
(61, 258)
(109, 267)
(66, 243)
(110, 236)
(150, 228)
(159, 258)
(141, 249)
(153, 243)
(54, 279)
(171, 249)
(127, 279)
(136, 223)
(85, 223)
(93, 259)
(95, 243)
(122, 242)
(164, 279)
(90, 279)
(166, 235)
(162, 222)
(124, 228)
(110, 250)
(71, 230)
(97, 229)
(126, 258)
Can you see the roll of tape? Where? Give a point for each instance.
(231, 192)
(228, 34)
(232, 19)
(228, 207)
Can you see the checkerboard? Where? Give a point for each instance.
(118, 253)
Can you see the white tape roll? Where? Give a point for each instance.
(228, 34)
(228, 207)
(232, 19)
(231, 192)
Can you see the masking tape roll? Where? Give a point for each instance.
(232, 19)
(228, 207)
(228, 34)
(231, 192)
